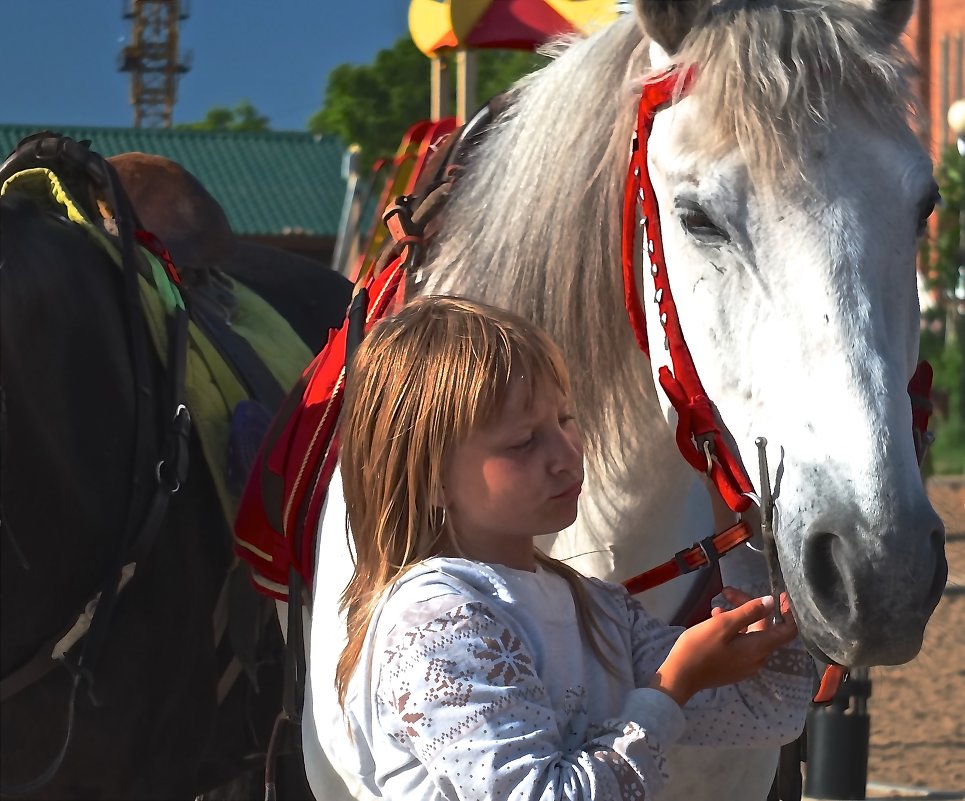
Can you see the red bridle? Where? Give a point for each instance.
(698, 435)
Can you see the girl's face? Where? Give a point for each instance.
(515, 478)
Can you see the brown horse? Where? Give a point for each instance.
(148, 723)
(174, 205)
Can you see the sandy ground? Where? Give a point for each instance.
(918, 710)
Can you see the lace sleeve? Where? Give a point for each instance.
(767, 710)
(462, 694)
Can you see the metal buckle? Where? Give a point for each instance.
(707, 547)
(711, 554)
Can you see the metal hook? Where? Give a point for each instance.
(708, 456)
(164, 481)
(766, 498)
(767, 528)
(778, 476)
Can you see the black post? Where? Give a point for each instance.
(838, 737)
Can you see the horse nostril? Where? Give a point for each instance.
(940, 575)
(825, 566)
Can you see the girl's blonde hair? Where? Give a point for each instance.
(419, 384)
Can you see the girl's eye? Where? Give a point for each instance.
(521, 446)
(566, 418)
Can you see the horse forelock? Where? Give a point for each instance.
(772, 72)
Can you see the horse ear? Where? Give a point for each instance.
(894, 14)
(668, 22)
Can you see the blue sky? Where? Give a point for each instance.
(59, 58)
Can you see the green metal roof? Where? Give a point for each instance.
(272, 183)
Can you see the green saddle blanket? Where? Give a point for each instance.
(214, 392)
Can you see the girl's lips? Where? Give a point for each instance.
(570, 492)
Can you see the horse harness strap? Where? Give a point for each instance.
(379, 288)
(51, 654)
(705, 553)
(144, 515)
(698, 432)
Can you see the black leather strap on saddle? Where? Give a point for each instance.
(90, 177)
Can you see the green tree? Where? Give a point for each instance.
(943, 340)
(500, 69)
(373, 104)
(243, 117)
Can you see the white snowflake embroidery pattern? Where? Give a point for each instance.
(506, 654)
(626, 778)
(446, 684)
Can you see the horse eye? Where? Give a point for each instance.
(926, 209)
(697, 223)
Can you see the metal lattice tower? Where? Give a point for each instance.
(153, 60)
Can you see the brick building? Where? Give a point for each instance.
(935, 36)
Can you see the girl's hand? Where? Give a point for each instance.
(736, 597)
(729, 647)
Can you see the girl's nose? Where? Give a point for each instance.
(568, 450)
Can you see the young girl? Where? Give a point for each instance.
(476, 666)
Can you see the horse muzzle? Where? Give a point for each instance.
(863, 594)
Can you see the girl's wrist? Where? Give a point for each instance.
(672, 685)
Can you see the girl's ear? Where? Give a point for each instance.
(437, 497)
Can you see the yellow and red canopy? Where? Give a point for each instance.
(510, 24)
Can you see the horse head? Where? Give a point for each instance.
(172, 204)
(792, 192)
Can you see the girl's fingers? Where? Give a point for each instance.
(735, 596)
(749, 612)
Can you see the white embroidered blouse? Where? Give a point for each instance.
(476, 683)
